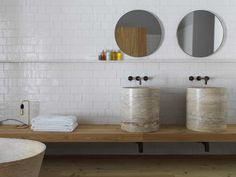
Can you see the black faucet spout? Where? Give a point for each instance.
(206, 79)
(138, 78)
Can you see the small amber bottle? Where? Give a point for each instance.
(103, 55)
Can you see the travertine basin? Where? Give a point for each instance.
(140, 109)
(206, 109)
(20, 158)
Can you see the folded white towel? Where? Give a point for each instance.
(54, 123)
(52, 126)
(54, 119)
(55, 128)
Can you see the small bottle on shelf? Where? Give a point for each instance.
(118, 55)
(99, 57)
(103, 55)
(108, 54)
(113, 55)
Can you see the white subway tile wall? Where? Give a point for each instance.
(42, 40)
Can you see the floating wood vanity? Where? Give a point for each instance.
(113, 133)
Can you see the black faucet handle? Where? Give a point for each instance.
(191, 78)
(130, 78)
(199, 78)
(138, 78)
(145, 78)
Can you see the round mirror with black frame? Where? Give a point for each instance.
(138, 33)
(200, 33)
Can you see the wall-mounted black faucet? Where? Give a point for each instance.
(138, 78)
(206, 79)
(199, 78)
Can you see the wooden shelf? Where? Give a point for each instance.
(113, 133)
(128, 60)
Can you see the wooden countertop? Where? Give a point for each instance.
(113, 133)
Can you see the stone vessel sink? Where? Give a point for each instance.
(20, 158)
(206, 109)
(140, 109)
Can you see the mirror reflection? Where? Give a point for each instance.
(200, 33)
(138, 33)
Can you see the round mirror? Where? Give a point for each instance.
(200, 33)
(138, 33)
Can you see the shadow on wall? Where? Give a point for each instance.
(132, 148)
